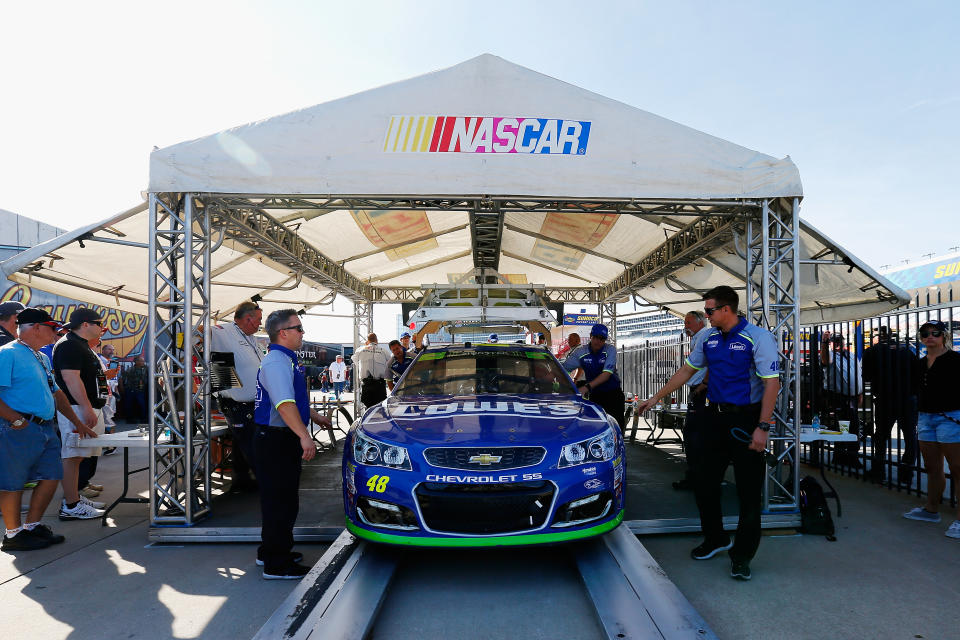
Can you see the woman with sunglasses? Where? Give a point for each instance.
(938, 428)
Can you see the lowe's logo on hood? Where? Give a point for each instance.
(486, 134)
(511, 408)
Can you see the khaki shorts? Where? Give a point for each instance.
(67, 427)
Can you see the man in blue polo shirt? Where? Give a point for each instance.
(281, 443)
(598, 361)
(742, 392)
(398, 363)
(29, 444)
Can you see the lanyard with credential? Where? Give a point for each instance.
(43, 366)
(246, 339)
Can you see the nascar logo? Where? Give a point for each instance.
(462, 134)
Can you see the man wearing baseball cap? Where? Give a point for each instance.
(405, 338)
(8, 321)
(598, 361)
(29, 444)
(79, 373)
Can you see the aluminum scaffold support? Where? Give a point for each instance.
(773, 296)
(178, 335)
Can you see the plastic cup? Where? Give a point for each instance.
(844, 426)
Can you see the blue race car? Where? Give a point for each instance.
(488, 445)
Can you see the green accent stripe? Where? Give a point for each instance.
(536, 354)
(744, 334)
(766, 377)
(687, 362)
(433, 356)
(277, 406)
(496, 541)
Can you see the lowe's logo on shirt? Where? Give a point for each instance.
(486, 134)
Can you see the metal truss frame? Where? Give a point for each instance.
(773, 302)
(249, 219)
(608, 316)
(179, 315)
(180, 310)
(687, 245)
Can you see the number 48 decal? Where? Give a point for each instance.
(378, 483)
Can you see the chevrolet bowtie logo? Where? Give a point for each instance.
(485, 459)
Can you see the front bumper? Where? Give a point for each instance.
(463, 509)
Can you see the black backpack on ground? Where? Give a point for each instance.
(814, 511)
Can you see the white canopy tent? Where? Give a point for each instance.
(485, 167)
(362, 148)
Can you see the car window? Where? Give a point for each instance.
(471, 372)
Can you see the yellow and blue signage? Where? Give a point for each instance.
(927, 275)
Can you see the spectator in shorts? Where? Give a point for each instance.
(78, 372)
(338, 375)
(938, 428)
(111, 370)
(29, 444)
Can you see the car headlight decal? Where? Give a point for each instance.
(368, 451)
(597, 449)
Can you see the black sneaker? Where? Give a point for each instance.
(709, 549)
(740, 570)
(23, 541)
(295, 557)
(290, 572)
(46, 533)
(109, 451)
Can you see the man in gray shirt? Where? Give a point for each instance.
(236, 404)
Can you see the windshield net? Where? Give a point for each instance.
(453, 373)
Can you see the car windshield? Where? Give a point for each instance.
(474, 372)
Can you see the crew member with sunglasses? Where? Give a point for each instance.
(742, 390)
(281, 443)
(79, 373)
(29, 444)
(938, 428)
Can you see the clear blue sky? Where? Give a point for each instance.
(863, 96)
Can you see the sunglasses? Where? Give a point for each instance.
(926, 333)
(709, 310)
(298, 327)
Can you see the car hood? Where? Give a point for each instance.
(484, 420)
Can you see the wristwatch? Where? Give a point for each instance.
(764, 426)
(19, 422)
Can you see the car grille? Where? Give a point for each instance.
(485, 509)
(459, 457)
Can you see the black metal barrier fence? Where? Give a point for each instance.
(861, 372)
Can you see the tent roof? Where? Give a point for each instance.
(378, 142)
(323, 175)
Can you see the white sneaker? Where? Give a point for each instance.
(93, 503)
(80, 511)
(954, 530)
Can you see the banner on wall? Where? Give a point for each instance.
(125, 331)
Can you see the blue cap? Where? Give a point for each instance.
(493, 337)
(599, 330)
(936, 324)
(405, 334)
